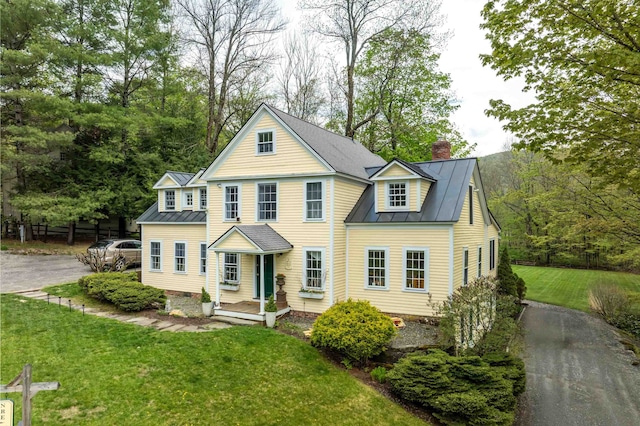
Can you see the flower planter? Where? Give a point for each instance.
(229, 287)
(311, 295)
(270, 318)
(206, 308)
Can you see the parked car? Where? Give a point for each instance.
(129, 249)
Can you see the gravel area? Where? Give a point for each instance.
(189, 306)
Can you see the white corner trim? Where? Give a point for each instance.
(451, 235)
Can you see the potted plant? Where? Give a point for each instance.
(206, 303)
(270, 310)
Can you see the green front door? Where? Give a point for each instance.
(268, 275)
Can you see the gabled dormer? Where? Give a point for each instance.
(400, 187)
(172, 194)
(197, 187)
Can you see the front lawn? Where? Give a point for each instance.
(570, 287)
(118, 373)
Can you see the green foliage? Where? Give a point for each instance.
(460, 390)
(617, 307)
(508, 282)
(379, 374)
(4, 247)
(271, 306)
(355, 329)
(205, 297)
(467, 314)
(123, 290)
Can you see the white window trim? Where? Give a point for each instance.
(480, 260)
(175, 204)
(304, 266)
(323, 200)
(258, 199)
(273, 132)
(465, 250)
(150, 262)
(200, 198)
(387, 198)
(186, 257)
(425, 250)
(224, 201)
(185, 196)
(200, 258)
(386, 269)
(239, 265)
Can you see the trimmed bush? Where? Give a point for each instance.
(123, 290)
(355, 329)
(461, 390)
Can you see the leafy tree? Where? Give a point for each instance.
(581, 58)
(406, 95)
(354, 24)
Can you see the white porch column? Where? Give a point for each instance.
(217, 277)
(262, 284)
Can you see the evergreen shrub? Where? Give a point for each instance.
(123, 290)
(461, 390)
(354, 329)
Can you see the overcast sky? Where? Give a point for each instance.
(474, 85)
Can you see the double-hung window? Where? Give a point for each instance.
(231, 267)
(492, 255)
(203, 198)
(169, 200)
(479, 261)
(180, 257)
(231, 202)
(203, 258)
(188, 199)
(415, 269)
(265, 143)
(313, 201)
(377, 268)
(313, 269)
(267, 201)
(465, 266)
(155, 250)
(397, 196)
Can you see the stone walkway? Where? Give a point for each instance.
(168, 324)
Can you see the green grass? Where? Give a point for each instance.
(570, 287)
(114, 373)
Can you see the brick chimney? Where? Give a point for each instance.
(440, 150)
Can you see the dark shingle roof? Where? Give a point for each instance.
(152, 215)
(343, 154)
(262, 236)
(443, 202)
(180, 177)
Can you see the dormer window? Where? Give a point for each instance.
(397, 195)
(170, 200)
(188, 199)
(265, 143)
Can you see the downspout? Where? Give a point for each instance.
(331, 236)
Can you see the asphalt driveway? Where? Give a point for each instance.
(21, 272)
(578, 373)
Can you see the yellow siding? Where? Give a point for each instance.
(470, 236)
(167, 181)
(412, 192)
(346, 195)
(492, 233)
(395, 300)
(168, 234)
(424, 189)
(291, 226)
(395, 170)
(236, 241)
(290, 157)
(161, 198)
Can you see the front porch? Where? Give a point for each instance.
(247, 309)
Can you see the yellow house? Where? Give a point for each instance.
(288, 198)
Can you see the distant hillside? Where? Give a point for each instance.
(495, 169)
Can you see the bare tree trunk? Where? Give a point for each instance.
(71, 235)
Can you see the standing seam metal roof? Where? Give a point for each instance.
(443, 202)
(186, 216)
(262, 236)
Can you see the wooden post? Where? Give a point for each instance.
(28, 390)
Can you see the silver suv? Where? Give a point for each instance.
(126, 252)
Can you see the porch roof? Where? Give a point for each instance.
(253, 239)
